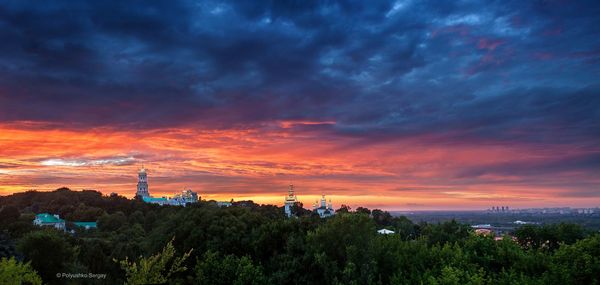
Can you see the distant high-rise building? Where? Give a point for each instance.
(290, 200)
(142, 186)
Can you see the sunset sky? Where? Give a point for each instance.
(399, 105)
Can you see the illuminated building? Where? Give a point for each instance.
(142, 186)
(323, 209)
(186, 196)
(290, 200)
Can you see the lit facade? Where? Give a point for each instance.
(142, 186)
(186, 197)
(290, 200)
(323, 209)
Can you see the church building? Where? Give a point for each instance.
(186, 196)
(290, 200)
(142, 186)
(323, 209)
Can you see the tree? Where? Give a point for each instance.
(343, 209)
(9, 214)
(7, 246)
(298, 210)
(255, 244)
(13, 272)
(48, 251)
(362, 210)
(578, 263)
(548, 237)
(405, 228)
(112, 222)
(381, 218)
(156, 269)
(447, 232)
(342, 248)
(230, 269)
(456, 276)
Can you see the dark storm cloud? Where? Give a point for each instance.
(538, 115)
(554, 165)
(509, 71)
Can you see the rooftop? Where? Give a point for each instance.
(153, 199)
(48, 219)
(86, 224)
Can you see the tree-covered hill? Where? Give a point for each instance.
(247, 243)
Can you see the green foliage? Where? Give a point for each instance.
(9, 214)
(382, 218)
(216, 269)
(156, 269)
(342, 248)
(249, 243)
(578, 263)
(13, 272)
(48, 251)
(362, 210)
(451, 232)
(456, 276)
(7, 246)
(548, 237)
(112, 222)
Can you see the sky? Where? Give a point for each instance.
(398, 105)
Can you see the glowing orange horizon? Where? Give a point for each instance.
(258, 164)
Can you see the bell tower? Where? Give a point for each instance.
(290, 200)
(142, 186)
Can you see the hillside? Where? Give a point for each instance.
(257, 244)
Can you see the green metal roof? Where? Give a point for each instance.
(86, 224)
(152, 199)
(46, 218)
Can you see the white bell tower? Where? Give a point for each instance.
(290, 200)
(142, 186)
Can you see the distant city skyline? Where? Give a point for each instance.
(400, 105)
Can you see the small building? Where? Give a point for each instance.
(48, 220)
(86, 225)
(385, 232)
(484, 232)
(323, 209)
(223, 204)
(290, 201)
(482, 226)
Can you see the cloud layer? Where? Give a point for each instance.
(445, 97)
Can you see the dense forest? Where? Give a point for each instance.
(138, 243)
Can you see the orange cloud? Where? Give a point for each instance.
(258, 163)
